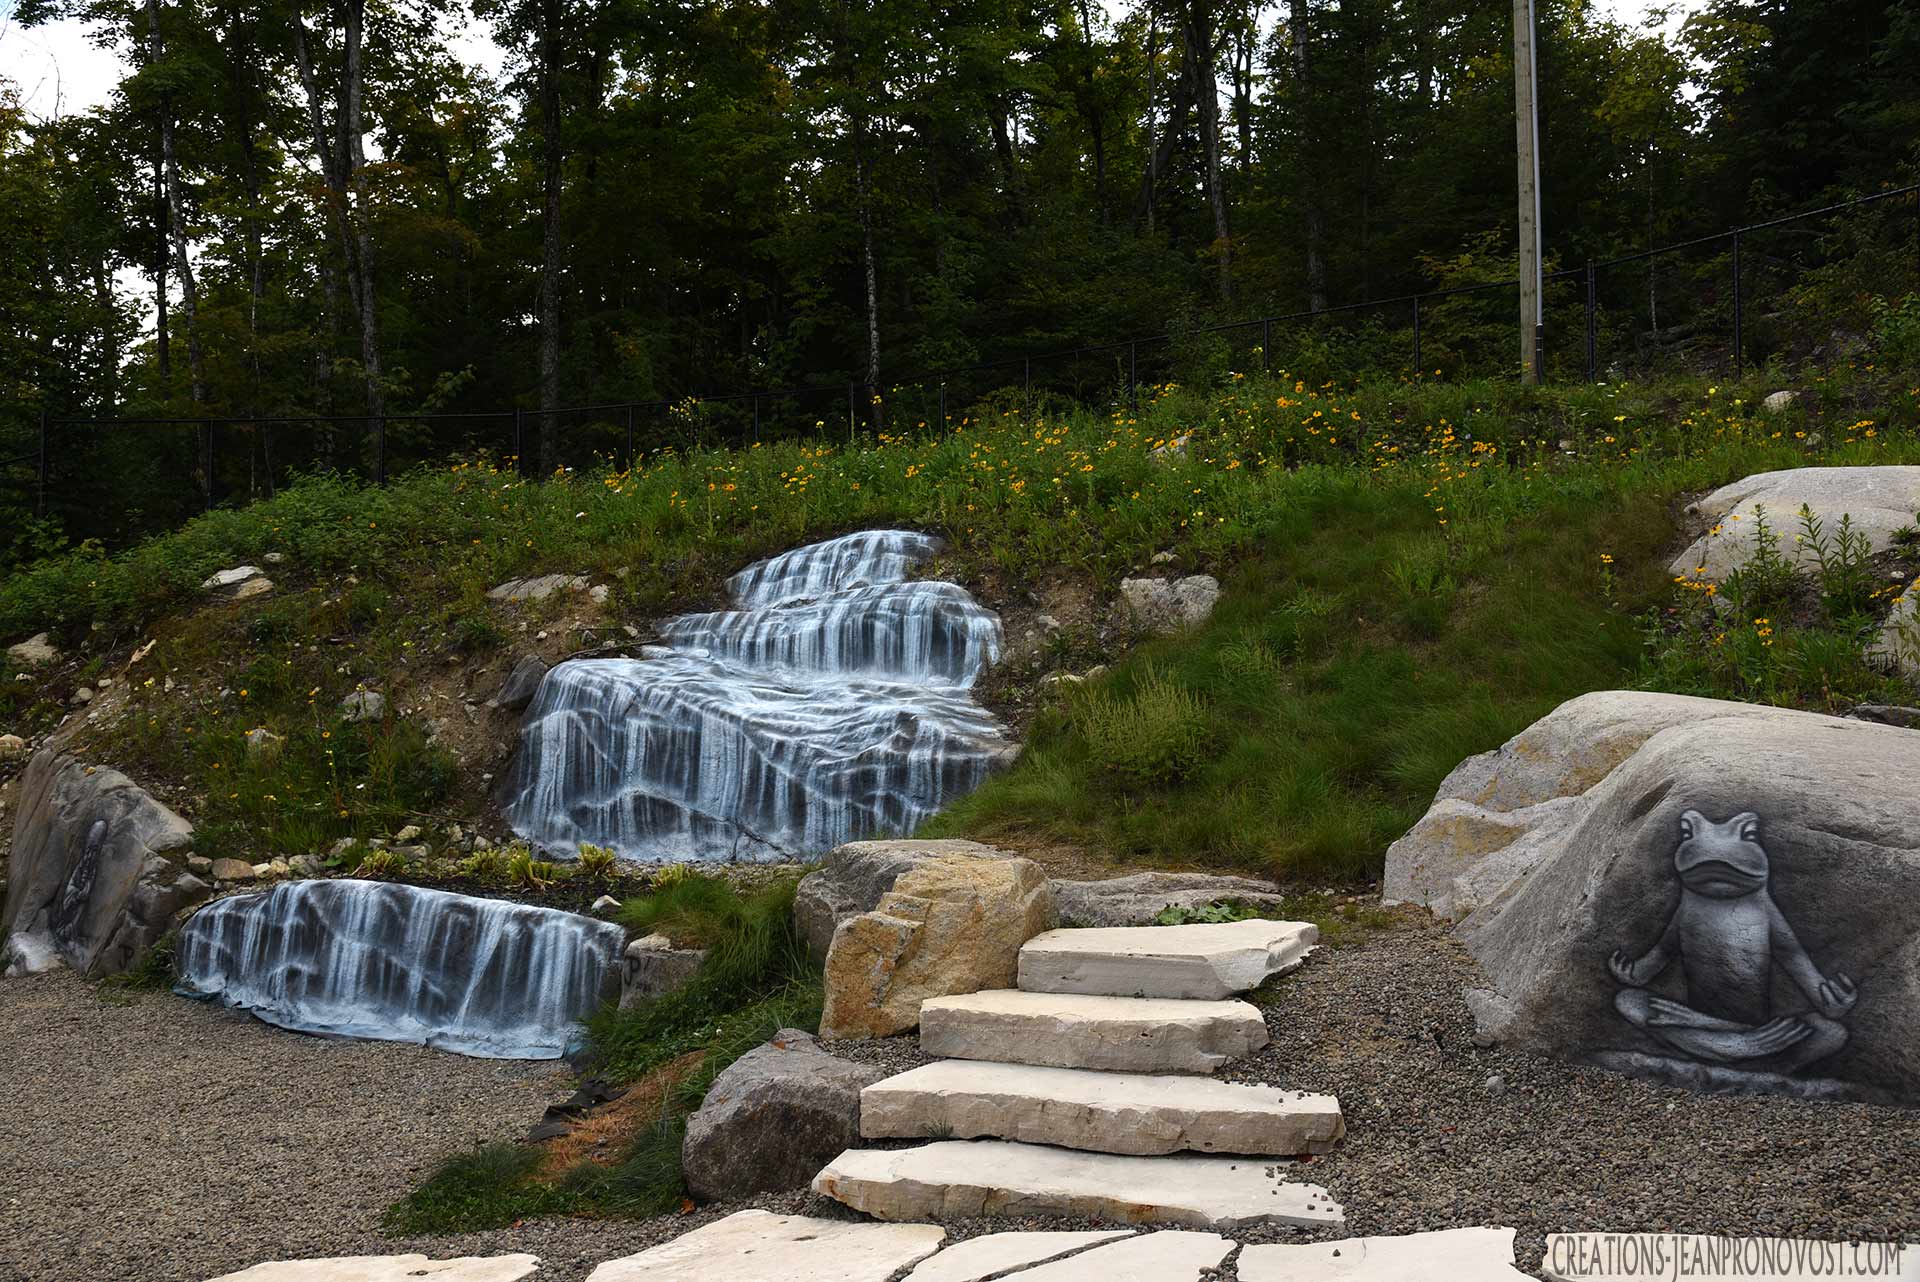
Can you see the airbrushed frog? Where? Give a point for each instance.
(1728, 936)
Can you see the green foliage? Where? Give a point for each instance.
(1213, 914)
(487, 1188)
(1153, 736)
(596, 862)
(381, 863)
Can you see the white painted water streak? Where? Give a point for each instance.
(832, 703)
(483, 977)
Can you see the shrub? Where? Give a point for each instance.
(1155, 735)
(596, 862)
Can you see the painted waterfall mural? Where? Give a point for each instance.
(832, 702)
(483, 977)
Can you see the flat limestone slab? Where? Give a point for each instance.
(391, 1268)
(1177, 1255)
(955, 1178)
(759, 1246)
(1204, 962)
(1451, 1255)
(1069, 1030)
(1131, 1113)
(981, 1257)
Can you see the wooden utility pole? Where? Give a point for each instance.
(1526, 128)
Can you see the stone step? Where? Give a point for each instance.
(759, 1246)
(1204, 962)
(959, 1178)
(1067, 1030)
(1129, 1113)
(1449, 1255)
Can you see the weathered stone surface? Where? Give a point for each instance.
(391, 1268)
(994, 1253)
(852, 878)
(654, 968)
(35, 652)
(12, 748)
(1899, 639)
(231, 578)
(1775, 402)
(98, 870)
(538, 588)
(1451, 1255)
(1879, 499)
(233, 870)
(1129, 1113)
(759, 1246)
(1497, 814)
(773, 1118)
(1731, 908)
(1887, 714)
(1168, 605)
(1206, 962)
(253, 587)
(951, 925)
(974, 1177)
(363, 705)
(521, 684)
(1136, 899)
(1118, 1034)
(1633, 1257)
(1172, 1255)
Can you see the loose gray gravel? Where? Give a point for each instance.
(162, 1141)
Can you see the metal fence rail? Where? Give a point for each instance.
(617, 429)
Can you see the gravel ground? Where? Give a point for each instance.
(165, 1140)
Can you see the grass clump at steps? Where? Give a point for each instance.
(755, 981)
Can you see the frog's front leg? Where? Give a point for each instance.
(1649, 964)
(1704, 1036)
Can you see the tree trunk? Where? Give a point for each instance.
(1198, 36)
(549, 234)
(162, 350)
(1096, 119)
(177, 228)
(1150, 181)
(109, 336)
(351, 85)
(863, 181)
(1315, 211)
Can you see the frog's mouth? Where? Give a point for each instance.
(1718, 879)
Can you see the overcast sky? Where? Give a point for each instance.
(60, 72)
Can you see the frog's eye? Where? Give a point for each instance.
(1750, 830)
(1686, 826)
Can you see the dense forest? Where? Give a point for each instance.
(331, 214)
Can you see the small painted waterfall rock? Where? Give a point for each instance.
(483, 977)
(832, 703)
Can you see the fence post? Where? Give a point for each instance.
(379, 451)
(40, 490)
(1266, 344)
(1418, 365)
(943, 406)
(851, 412)
(519, 441)
(206, 460)
(629, 438)
(1737, 305)
(1027, 382)
(1133, 372)
(1593, 366)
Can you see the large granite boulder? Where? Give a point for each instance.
(1170, 605)
(1879, 499)
(1729, 907)
(773, 1118)
(852, 878)
(1138, 898)
(99, 870)
(954, 925)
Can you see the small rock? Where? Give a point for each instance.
(233, 870)
(598, 593)
(605, 904)
(306, 865)
(231, 578)
(279, 868)
(1164, 558)
(12, 747)
(263, 744)
(81, 697)
(539, 588)
(1168, 605)
(1062, 679)
(455, 833)
(1496, 1085)
(363, 705)
(35, 652)
(1174, 449)
(406, 834)
(199, 864)
(1050, 623)
(253, 588)
(1778, 402)
(521, 684)
(275, 558)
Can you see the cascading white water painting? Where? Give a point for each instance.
(349, 958)
(833, 702)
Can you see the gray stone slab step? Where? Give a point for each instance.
(760, 1246)
(994, 1254)
(1201, 962)
(1449, 1255)
(1130, 1113)
(960, 1178)
(1068, 1030)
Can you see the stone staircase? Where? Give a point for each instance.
(1083, 1091)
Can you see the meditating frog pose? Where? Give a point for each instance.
(1728, 936)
